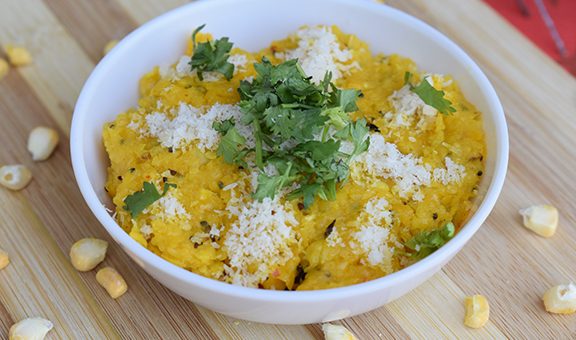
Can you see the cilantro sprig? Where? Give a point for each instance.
(211, 56)
(140, 200)
(428, 242)
(299, 127)
(430, 95)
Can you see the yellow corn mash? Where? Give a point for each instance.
(202, 178)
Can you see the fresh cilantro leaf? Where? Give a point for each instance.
(269, 185)
(338, 117)
(433, 97)
(138, 201)
(307, 192)
(341, 102)
(428, 242)
(318, 151)
(230, 147)
(430, 95)
(298, 128)
(211, 56)
(328, 191)
(346, 99)
(357, 133)
(223, 126)
(407, 77)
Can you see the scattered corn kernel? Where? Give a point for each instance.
(109, 46)
(41, 142)
(112, 281)
(337, 332)
(4, 67)
(4, 259)
(30, 329)
(561, 299)
(541, 219)
(15, 177)
(18, 56)
(87, 253)
(477, 311)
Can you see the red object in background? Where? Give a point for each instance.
(531, 23)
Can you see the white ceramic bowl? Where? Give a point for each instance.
(252, 25)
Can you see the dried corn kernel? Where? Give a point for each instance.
(109, 46)
(541, 219)
(4, 259)
(18, 56)
(337, 332)
(112, 281)
(477, 311)
(4, 67)
(87, 253)
(15, 177)
(561, 299)
(30, 329)
(41, 142)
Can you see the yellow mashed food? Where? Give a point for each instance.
(420, 172)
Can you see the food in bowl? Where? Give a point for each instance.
(263, 171)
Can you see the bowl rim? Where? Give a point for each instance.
(174, 272)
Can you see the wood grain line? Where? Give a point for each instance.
(60, 66)
(428, 312)
(229, 328)
(54, 190)
(505, 262)
(6, 320)
(92, 23)
(503, 248)
(383, 325)
(145, 10)
(506, 52)
(33, 281)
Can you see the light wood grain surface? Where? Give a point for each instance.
(505, 262)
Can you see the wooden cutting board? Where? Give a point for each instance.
(505, 262)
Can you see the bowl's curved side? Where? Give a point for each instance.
(111, 88)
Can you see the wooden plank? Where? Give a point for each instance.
(42, 282)
(226, 327)
(60, 66)
(505, 262)
(148, 309)
(5, 320)
(92, 24)
(379, 324)
(436, 310)
(145, 10)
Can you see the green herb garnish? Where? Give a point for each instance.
(299, 127)
(138, 201)
(428, 242)
(211, 56)
(430, 95)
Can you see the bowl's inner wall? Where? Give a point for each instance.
(252, 27)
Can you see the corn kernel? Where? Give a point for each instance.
(4, 259)
(87, 253)
(15, 177)
(41, 142)
(112, 281)
(30, 329)
(541, 219)
(18, 56)
(477, 311)
(4, 67)
(561, 299)
(337, 332)
(109, 46)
